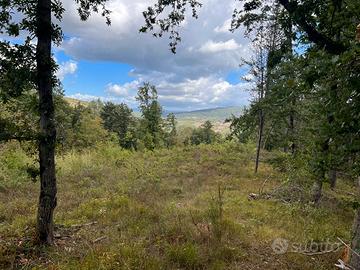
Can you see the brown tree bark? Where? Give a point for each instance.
(321, 172)
(47, 199)
(292, 132)
(261, 130)
(317, 190)
(332, 178)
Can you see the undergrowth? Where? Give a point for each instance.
(184, 208)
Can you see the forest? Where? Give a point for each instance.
(104, 184)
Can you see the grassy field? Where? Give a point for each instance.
(185, 208)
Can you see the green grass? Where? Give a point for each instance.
(161, 210)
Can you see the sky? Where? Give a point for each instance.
(111, 62)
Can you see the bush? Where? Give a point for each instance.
(14, 164)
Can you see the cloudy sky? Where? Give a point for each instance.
(98, 61)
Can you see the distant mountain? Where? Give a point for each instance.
(215, 114)
(192, 118)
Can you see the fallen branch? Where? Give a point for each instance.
(99, 239)
(261, 190)
(83, 225)
(318, 253)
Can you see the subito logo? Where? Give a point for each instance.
(280, 246)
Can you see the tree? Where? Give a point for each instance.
(259, 69)
(325, 30)
(209, 134)
(204, 134)
(243, 127)
(272, 41)
(18, 118)
(170, 130)
(313, 19)
(77, 127)
(36, 21)
(119, 119)
(151, 122)
(302, 13)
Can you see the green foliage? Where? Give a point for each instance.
(14, 164)
(170, 132)
(160, 25)
(19, 74)
(151, 133)
(84, 125)
(77, 127)
(17, 69)
(119, 119)
(19, 118)
(311, 101)
(243, 127)
(203, 134)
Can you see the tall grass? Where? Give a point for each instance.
(183, 208)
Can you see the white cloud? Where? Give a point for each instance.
(249, 77)
(66, 68)
(193, 78)
(120, 90)
(215, 47)
(86, 97)
(190, 94)
(186, 95)
(121, 42)
(224, 28)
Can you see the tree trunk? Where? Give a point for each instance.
(317, 190)
(355, 258)
(261, 129)
(289, 47)
(321, 171)
(292, 131)
(47, 199)
(332, 178)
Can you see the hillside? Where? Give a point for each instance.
(192, 118)
(217, 116)
(73, 102)
(185, 208)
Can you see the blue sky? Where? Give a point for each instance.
(90, 77)
(110, 63)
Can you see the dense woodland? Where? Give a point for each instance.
(301, 133)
